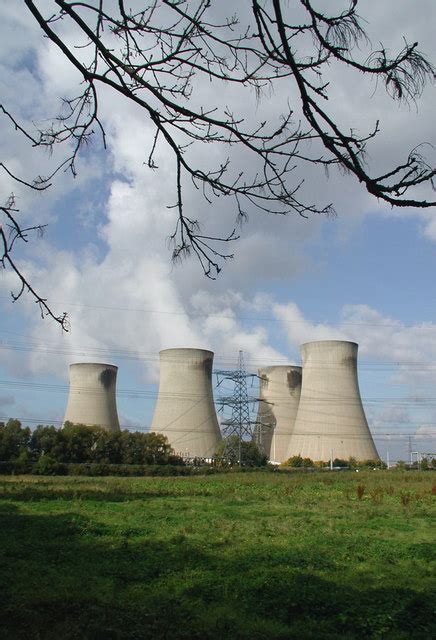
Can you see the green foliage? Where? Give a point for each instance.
(231, 448)
(80, 444)
(425, 465)
(125, 470)
(14, 439)
(297, 462)
(372, 464)
(338, 462)
(47, 440)
(48, 466)
(352, 462)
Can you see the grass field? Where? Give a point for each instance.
(255, 555)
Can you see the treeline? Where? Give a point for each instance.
(77, 449)
(297, 462)
(79, 444)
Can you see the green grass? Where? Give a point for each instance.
(259, 555)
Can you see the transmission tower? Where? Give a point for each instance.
(240, 423)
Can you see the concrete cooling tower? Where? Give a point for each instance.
(92, 400)
(331, 421)
(280, 389)
(185, 411)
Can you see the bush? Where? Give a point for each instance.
(15, 467)
(127, 470)
(78, 443)
(47, 466)
(251, 456)
(14, 440)
(342, 464)
(297, 462)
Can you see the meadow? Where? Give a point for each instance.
(244, 555)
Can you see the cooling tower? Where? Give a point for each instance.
(185, 411)
(280, 389)
(331, 421)
(91, 400)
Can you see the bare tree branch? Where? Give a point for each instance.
(156, 57)
(11, 233)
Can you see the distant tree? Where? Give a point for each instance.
(49, 441)
(294, 461)
(80, 441)
(156, 448)
(373, 464)
(145, 448)
(131, 449)
(158, 54)
(308, 463)
(338, 462)
(107, 447)
(230, 447)
(14, 440)
(298, 461)
(425, 464)
(48, 465)
(352, 462)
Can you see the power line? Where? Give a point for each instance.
(424, 326)
(376, 435)
(147, 356)
(424, 401)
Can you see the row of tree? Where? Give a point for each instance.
(297, 462)
(79, 443)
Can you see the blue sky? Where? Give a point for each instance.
(366, 275)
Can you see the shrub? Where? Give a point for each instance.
(251, 456)
(14, 439)
(47, 466)
(338, 462)
(294, 461)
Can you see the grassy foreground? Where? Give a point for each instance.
(258, 555)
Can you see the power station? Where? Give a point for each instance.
(330, 421)
(185, 410)
(314, 411)
(279, 396)
(92, 395)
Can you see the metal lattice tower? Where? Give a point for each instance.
(240, 423)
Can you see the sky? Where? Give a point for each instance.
(365, 275)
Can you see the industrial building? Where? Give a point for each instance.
(185, 410)
(314, 411)
(92, 395)
(331, 421)
(279, 396)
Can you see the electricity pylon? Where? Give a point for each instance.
(240, 423)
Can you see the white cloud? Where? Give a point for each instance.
(128, 298)
(379, 337)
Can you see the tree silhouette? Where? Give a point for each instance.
(159, 56)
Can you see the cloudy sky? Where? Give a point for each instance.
(366, 275)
